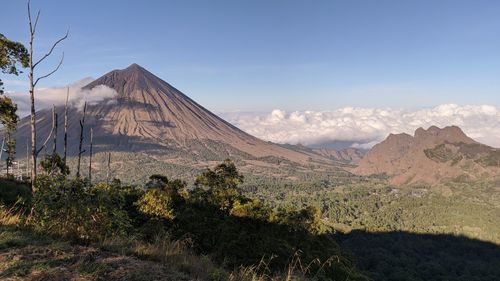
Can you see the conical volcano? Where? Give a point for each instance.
(149, 116)
(148, 107)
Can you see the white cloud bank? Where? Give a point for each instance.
(365, 127)
(46, 97)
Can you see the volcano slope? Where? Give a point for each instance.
(151, 127)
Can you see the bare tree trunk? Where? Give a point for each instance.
(1, 150)
(90, 158)
(8, 154)
(33, 82)
(80, 151)
(54, 149)
(54, 124)
(66, 127)
(32, 102)
(109, 168)
(27, 158)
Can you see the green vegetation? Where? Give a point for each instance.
(261, 222)
(240, 237)
(401, 255)
(480, 153)
(13, 55)
(442, 154)
(406, 232)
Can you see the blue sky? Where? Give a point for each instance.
(292, 55)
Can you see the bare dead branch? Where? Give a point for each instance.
(90, 156)
(52, 72)
(55, 124)
(29, 17)
(51, 49)
(36, 21)
(32, 27)
(109, 167)
(66, 126)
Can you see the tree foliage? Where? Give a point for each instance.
(72, 208)
(13, 55)
(53, 164)
(221, 184)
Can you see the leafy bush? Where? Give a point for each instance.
(308, 218)
(75, 209)
(159, 200)
(53, 164)
(222, 184)
(157, 203)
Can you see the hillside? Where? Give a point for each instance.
(431, 156)
(150, 120)
(348, 155)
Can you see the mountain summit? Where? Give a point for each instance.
(430, 156)
(149, 107)
(148, 115)
(134, 77)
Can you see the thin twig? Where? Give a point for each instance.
(46, 140)
(51, 49)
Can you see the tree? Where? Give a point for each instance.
(9, 119)
(157, 203)
(13, 55)
(222, 183)
(161, 197)
(32, 84)
(157, 181)
(53, 164)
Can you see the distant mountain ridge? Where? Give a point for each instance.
(430, 156)
(348, 155)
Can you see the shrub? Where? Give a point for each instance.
(53, 164)
(161, 197)
(157, 203)
(222, 184)
(75, 209)
(251, 208)
(308, 218)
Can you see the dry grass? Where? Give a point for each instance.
(9, 216)
(295, 271)
(175, 255)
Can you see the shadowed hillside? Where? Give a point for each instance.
(423, 257)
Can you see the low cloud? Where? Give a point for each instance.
(46, 97)
(364, 127)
